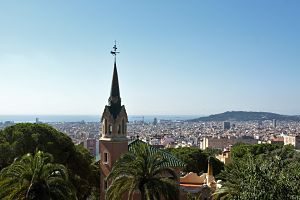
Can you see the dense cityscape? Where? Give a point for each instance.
(175, 133)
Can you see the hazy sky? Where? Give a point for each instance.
(177, 57)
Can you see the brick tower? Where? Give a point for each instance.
(113, 142)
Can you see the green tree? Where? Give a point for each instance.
(212, 152)
(35, 177)
(143, 171)
(240, 150)
(272, 175)
(24, 138)
(197, 160)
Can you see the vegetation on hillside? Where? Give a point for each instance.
(246, 116)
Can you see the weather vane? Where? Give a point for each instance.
(115, 52)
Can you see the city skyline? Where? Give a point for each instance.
(176, 58)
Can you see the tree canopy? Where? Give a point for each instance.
(35, 178)
(23, 138)
(262, 172)
(239, 150)
(196, 160)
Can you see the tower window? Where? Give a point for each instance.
(110, 129)
(123, 126)
(105, 185)
(119, 129)
(105, 160)
(105, 126)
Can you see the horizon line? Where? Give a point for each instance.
(93, 114)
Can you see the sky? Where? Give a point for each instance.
(177, 57)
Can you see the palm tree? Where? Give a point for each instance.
(142, 171)
(35, 177)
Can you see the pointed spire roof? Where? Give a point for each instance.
(114, 101)
(115, 90)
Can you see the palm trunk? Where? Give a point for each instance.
(30, 186)
(143, 196)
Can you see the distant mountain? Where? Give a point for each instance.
(247, 116)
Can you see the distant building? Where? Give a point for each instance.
(8, 123)
(155, 121)
(226, 125)
(216, 143)
(233, 126)
(292, 140)
(279, 140)
(92, 144)
(165, 121)
(246, 140)
(225, 156)
(223, 142)
(274, 123)
(37, 121)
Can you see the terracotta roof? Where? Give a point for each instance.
(190, 185)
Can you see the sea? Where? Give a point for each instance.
(90, 118)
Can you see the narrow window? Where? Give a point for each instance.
(105, 125)
(110, 129)
(105, 158)
(123, 126)
(105, 185)
(119, 129)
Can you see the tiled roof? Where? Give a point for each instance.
(172, 160)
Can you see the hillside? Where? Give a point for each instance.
(247, 116)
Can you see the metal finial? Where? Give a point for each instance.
(115, 52)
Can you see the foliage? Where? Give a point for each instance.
(212, 152)
(271, 175)
(142, 171)
(35, 177)
(205, 193)
(21, 139)
(240, 150)
(197, 160)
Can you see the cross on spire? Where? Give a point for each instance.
(115, 52)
